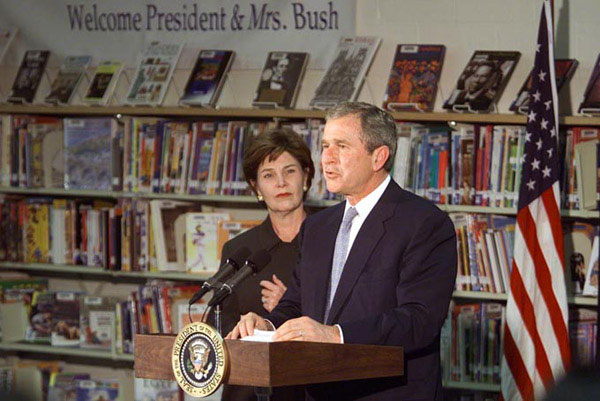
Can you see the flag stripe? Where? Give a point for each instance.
(517, 367)
(528, 316)
(527, 226)
(551, 205)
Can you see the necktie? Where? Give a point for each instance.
(339, 255)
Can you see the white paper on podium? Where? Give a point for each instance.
(261, 336)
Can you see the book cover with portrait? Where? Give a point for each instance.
(482, 81)
(280, 79)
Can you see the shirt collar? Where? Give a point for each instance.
(366, 204)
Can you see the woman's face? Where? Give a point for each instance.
(280, 182)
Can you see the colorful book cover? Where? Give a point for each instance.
(62, 386)
(97, 322)
(414, 77)
(205, 136)
(39, 329)
(207, 77)
(103, 83)
(44, 143)
(201, 241)
(97, 390)
(483, 80)
(345, 74)
(65, 319)
(280, 79)
(37, 232)
(68, 79)
(29, 76)
(564, 70)
(88, 153)
(152, 78)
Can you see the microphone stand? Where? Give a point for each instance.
(218, 322)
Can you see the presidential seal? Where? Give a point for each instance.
(199, 359)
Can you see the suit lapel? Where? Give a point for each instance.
(324, 241)
(368, 236)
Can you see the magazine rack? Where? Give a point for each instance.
(590, 112)
(279, 363)
(466, 108)
(399, 107)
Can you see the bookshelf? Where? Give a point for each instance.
(471, 386)
(63, 351)
(225, 201)
(255, 113)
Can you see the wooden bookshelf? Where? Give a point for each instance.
(65, 351)
(254, 113)
(100, 273)
(471, 386)
(77, 193)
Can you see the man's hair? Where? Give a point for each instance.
(377, 126)
(270, 145)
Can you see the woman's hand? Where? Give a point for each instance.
(272, 293)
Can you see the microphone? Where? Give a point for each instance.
(253, 265)
(231, 265)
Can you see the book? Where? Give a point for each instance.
(207, 78)
(65, 319)
(201, 241)
(156, 390)
(345, 74)
(280, 79)
(63, 386)
(29, 76)
(591, 95)
(414, 77)
(97, 322)
(585, 172)
(44, 153)
(229, 229)
(39, 329)
(88, 153)
(483, 80)
(591, 277)
(69, 76)
(153, 76)
(168, 228)
(564, 69)
(578, 238)
(7, 37)
(103, 82)
(97, 390)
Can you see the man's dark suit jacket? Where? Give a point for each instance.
(394, 290)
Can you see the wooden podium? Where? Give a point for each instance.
(279, 363)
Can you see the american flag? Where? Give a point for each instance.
(536, 340)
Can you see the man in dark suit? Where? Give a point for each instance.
(378, 268)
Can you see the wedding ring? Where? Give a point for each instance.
(299, 333)
(263, 300)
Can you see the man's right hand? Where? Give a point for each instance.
(246, 326)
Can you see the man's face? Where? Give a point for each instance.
(282, 66)
(347, 165)
(479, 78)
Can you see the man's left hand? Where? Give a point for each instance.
(307, 329)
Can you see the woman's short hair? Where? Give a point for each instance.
(271, 144)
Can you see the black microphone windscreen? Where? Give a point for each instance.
(260, 258)
(240, 255)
